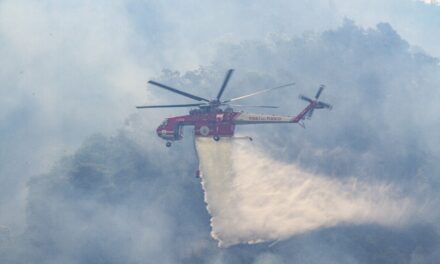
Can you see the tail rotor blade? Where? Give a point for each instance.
(305, 98)
(325, 105)
(321, 87)
(225, 82)
(310, 113)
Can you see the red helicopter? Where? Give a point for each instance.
(215, 118)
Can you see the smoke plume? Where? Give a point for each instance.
(127, 199)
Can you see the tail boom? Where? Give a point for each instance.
(307, 112)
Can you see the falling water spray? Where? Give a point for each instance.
(253, 198)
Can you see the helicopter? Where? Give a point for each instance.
(217, 119)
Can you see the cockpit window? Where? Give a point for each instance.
(164, 123)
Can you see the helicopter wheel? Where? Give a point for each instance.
(216, 138)
(168, 144)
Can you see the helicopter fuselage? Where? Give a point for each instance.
(219, 123)
(205, 124)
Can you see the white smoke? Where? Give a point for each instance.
(431, 2)
(253, 198)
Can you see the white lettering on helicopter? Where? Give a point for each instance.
(265, 118)
(262, 118)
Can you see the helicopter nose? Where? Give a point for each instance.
(161, 132)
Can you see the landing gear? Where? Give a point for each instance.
(216, 138)
(168, 144)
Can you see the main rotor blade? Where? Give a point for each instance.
(321, 87)
(225, 82)
(256, 106)
(179, 92)
(167, 106)
(259, 92)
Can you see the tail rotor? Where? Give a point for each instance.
(315, 104)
